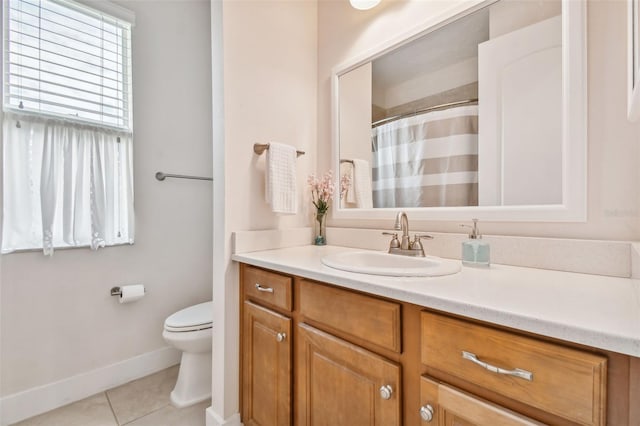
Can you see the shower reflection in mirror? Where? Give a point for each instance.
(469, 114)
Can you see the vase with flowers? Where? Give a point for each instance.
(321, 196)
(322, 190)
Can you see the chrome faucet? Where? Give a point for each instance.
(402, 224)
(405, 246)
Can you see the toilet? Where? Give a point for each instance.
(189, 330)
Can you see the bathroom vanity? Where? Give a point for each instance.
(481, 347)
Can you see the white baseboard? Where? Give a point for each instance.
(38, 400)
(212, 419)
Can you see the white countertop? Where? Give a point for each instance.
(594, 310)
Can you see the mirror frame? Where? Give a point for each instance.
(633, 46)
(574, 137)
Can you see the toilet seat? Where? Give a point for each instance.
(193, 318)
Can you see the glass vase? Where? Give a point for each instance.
(320, 229)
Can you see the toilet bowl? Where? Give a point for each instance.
(189, 330)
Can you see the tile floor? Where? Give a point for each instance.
(143, 402)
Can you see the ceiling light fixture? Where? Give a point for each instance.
(364, 4)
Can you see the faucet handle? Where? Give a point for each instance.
(394, 239)
(418, 236)
(417, 245)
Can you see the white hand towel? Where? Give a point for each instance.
(280, 178)
(362, 184)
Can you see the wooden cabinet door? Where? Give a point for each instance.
(266, 367)
(452, 407)
(339, 383)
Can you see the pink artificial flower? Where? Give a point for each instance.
(321, 191)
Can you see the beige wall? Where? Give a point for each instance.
(269, 95)
(355, 113)
(268, 49)
(614, 143)
(57, 317)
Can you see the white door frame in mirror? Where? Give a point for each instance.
(633, 46)
(574, 140)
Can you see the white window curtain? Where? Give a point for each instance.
(65, 185)
(67, 128)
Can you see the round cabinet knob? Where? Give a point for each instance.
(280, 337)
(426, 412)
(386, 391)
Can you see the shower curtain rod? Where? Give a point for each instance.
(420, 111)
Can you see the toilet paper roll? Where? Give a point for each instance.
(131, 293)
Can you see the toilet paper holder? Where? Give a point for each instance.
(128, 293)
(117, 291)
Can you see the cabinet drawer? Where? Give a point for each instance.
(373, 320)
(566, 382)
(267, 287)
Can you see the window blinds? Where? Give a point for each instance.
(64, 60)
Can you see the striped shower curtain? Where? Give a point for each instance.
(427, 160)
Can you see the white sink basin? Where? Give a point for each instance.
(393, 265)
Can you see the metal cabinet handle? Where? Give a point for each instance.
(426, 413)
(523, 374)
(386, 391)
(280, 337)
(265, 289)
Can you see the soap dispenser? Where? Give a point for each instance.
(475, 252)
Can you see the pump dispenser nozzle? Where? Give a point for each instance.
(475, 233)
(474, 251)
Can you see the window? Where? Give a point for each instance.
(67, 128)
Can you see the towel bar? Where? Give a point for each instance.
(259, 148)
(162, 176)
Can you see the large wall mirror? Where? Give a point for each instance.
(482, 113)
